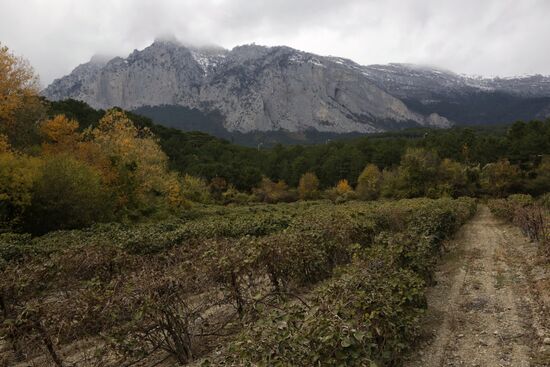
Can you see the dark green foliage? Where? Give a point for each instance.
(205, 156)
(68, 194)
(13, 247)
(185, 119)
(368, 312)
(367, 316)
(75, 110)
(482, 107)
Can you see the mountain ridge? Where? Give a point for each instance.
(259, 88)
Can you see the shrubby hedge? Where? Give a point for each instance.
(368, 312)
(530, 215)
(188, 287)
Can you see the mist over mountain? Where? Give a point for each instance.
(255, 88)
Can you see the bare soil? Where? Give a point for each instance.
(490, 305)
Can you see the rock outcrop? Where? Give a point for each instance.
(254, 88)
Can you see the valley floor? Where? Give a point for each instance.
(490, 306)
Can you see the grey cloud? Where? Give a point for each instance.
(490, 37)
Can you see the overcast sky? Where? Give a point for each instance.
(481, 37)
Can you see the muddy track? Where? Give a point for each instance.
(484, 310)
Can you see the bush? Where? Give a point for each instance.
(544, 201)
(18, 174)
(69, 194)
(341, 193)
(234, 196)
(196, 189)
(369, 313)
(533, 218)
(520, 199)
(14, 247)
(500, 178)
(188, 283)
(368, 183)
(274, 192)
(308, 188)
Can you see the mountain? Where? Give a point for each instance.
(462, 99)
(254, 88)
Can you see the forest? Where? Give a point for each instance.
(202, 169)
(522, 144)
(126, 243)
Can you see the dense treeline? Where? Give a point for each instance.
(194, 153)
(198, 154)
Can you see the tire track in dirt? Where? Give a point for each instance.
(481, 312)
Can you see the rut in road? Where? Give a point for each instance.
(483, 310)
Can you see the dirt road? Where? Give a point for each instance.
(485, 309)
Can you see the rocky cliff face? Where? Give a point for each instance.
(256, 88)
(253, 87)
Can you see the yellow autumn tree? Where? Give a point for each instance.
(368, 183)
(142, 180)
(60, 135)
(341, 192)
(343, 187)
(174, 191)
(308, 187)
(20, 105)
